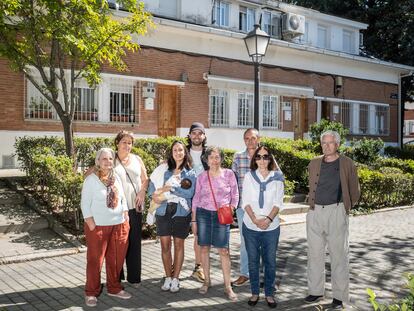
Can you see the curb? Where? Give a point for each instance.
(37, 255)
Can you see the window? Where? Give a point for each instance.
(347, 41)
(364, 119)
(271, 24)
(86, 109)
(246, 18)
(409, 127)
(322, 37)
(245, 110)
(381, 120)
(361, 118)
(305, 37)
(121, 102)
(218, 108)
(221, 13)
(271, 112)
(37, 106)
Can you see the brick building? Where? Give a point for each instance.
(194, 67)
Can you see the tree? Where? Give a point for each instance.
(64, 41)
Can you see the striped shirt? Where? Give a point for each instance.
(241, 166)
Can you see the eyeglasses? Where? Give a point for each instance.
(264, 157)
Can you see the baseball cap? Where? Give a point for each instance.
(197, 126)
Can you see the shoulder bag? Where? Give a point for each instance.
(224, 212)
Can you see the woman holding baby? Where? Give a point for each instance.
(173, 212)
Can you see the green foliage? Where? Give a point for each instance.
(74, 35)
(365, 150)
(158, 147)
(290, 187)
(228, 158)
(404, 304)
(317, 128)
(379, 190)
(407, 152)
(406, 166)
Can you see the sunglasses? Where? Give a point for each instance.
(264, 157)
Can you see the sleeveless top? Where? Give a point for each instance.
(134, 171)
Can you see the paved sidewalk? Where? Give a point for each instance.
(381, 250)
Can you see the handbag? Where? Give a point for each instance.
(225, 212)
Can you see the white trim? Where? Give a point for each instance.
(220, 82)
(341, 100)
(136, 78)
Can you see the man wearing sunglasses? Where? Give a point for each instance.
(333, 191)
(240, 166)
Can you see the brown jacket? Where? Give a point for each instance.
(349, 181)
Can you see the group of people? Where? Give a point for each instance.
(188, 191)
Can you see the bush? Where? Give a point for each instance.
(406, 166)
(407, 152)
(365, 150)
(317, 128)
(404, 304)
(379, 190)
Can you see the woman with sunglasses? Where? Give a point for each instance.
(263, 190)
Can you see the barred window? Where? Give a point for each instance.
(86, 108)
(219, 108)
(245, 110)
(121, 102)
(382, 115)
(271, 112)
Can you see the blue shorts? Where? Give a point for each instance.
(209, 231)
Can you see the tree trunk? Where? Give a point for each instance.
(68, 133)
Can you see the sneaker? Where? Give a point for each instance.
(175, 285)
(91, 301)
(336, 304)
(240, 281)
(122, 295)
(312, 298)
(198, 273)
(167, 284)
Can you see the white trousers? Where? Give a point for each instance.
(328, 224)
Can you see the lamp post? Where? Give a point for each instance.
(256, 42)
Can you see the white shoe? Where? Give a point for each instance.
(175, 285)
(167, 284)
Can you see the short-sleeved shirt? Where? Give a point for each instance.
(241, 166)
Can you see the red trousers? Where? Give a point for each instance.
(111, 243)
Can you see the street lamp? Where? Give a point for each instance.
(256, 42)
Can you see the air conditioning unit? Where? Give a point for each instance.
(293, 25)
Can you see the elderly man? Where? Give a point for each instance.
(333, 191)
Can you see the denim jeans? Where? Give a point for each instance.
(262, 244)
(244, 265)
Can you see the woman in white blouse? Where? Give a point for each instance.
(106, 229)
(262, 200)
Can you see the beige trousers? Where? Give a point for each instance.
(328, 224)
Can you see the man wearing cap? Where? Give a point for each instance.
(197, 144)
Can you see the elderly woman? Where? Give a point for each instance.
(215, 187)
(133, 176)
(173, 210)
(262, 200)
(106, 228)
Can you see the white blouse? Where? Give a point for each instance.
(93, 202)
(273, 196)
(134, 171)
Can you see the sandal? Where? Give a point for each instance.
(230, 294)
(204, 288)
